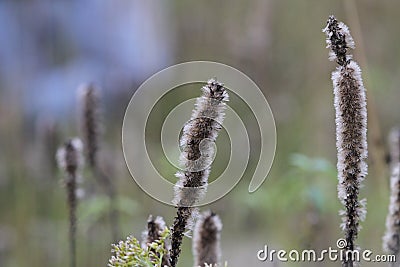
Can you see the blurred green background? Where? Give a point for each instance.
(48, 48)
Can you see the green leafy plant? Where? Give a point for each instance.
(129, 252)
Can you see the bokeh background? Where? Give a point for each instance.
(48, 48)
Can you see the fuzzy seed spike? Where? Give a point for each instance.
(153, 233)
(394, 145)
(196, 156)
(206, 240)
(351, 130)
(70, 160)
(391, 239)
(90, 121)
(91, 130)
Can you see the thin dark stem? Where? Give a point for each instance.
(72, 203)
(178, 228)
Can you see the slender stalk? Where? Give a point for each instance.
(69, 159)
(351, 131)
(71, 188)
(196, 157)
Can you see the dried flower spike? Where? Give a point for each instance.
(196, 156)
(90, 121)
(391, 239)
(351, 130)
(153, 233)
(394, 145)
(91, 128)
(206, 240)
(70, 160)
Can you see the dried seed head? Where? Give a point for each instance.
(394, 146)
(338, 40)
(155, 228)
(351, 135)
(199, 134)
(70, 160)
(206, 240)
(90, 121)
(153, 231)
(69, 156)
(391, 239)
(351, 130)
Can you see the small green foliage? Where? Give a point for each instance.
(129, 253)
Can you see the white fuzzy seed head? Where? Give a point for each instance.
(351, 126)
(394, 146)
(196, 157)
(197, 144)
(391, 239)
(69, 156)
(206, 240)
(153, 231)
(351, 130)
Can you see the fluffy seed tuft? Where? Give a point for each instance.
(206, 240)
